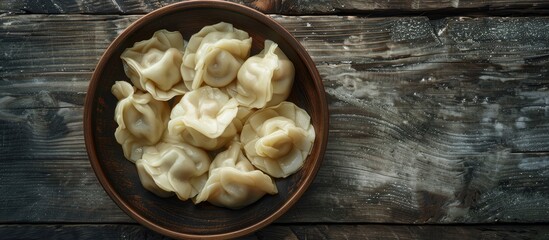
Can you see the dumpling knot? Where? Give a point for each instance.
(278, 136)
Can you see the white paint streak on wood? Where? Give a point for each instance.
(117, 6)
(59, 9)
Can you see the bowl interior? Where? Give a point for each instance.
(170, 215)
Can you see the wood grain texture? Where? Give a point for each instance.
(282, 6)
(432, 121)
(275, 231)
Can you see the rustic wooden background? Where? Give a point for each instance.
(439, 118)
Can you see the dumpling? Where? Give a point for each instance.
(141, 119)
(214, 55)
(153, 65)
(204, 118)
(233, 182)
(278, 139)
(174, 168)
(265, 79)
(148, 182)
(242, 116)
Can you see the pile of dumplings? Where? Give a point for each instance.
(191, 102)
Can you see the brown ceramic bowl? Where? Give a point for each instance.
(171, 216)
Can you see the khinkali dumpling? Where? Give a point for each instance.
(233, 182)
(265, 79)
(179, 168)
(153, 65)
(204, 118)
(141, 119)
(278, 139)
(214, 55)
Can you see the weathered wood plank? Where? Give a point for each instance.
(431, 121)
(45, 155)
(408, 232)
(313, 231)
(279, 6)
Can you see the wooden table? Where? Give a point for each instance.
(439, 118)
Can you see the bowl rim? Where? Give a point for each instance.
(171, 8)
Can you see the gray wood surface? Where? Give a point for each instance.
(432, 121)
(299, 7)
(290, 232)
